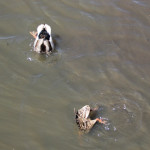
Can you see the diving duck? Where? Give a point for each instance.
(43, 39)
(83, 120)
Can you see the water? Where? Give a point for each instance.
(102, 59)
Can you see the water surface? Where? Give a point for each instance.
(102, 58)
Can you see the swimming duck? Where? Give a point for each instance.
(43, 39)
(83, 119)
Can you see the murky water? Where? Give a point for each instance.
(102, 58)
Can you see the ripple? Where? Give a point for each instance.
(123, 115)
(139, 3)
(119, 8)
(6, 37)
(36, 77)
(87, 14)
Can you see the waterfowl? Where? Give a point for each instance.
(83, 120)
(43, 39)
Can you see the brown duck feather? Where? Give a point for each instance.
(83, 120)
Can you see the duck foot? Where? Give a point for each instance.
(34, 34)
(101, 121)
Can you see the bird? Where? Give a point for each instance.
(83, 118)
(43, 39)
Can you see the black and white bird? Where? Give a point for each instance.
(43, 39)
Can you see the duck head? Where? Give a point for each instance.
(43, 39)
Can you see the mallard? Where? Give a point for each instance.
(43, 39)
(83, 120)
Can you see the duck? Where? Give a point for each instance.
(83, 118)
(43, 39)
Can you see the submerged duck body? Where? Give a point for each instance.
(43, 39)
(83, 120)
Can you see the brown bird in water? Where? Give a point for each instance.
(83, 119)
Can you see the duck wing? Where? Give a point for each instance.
(85, 124)
(84, 112)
